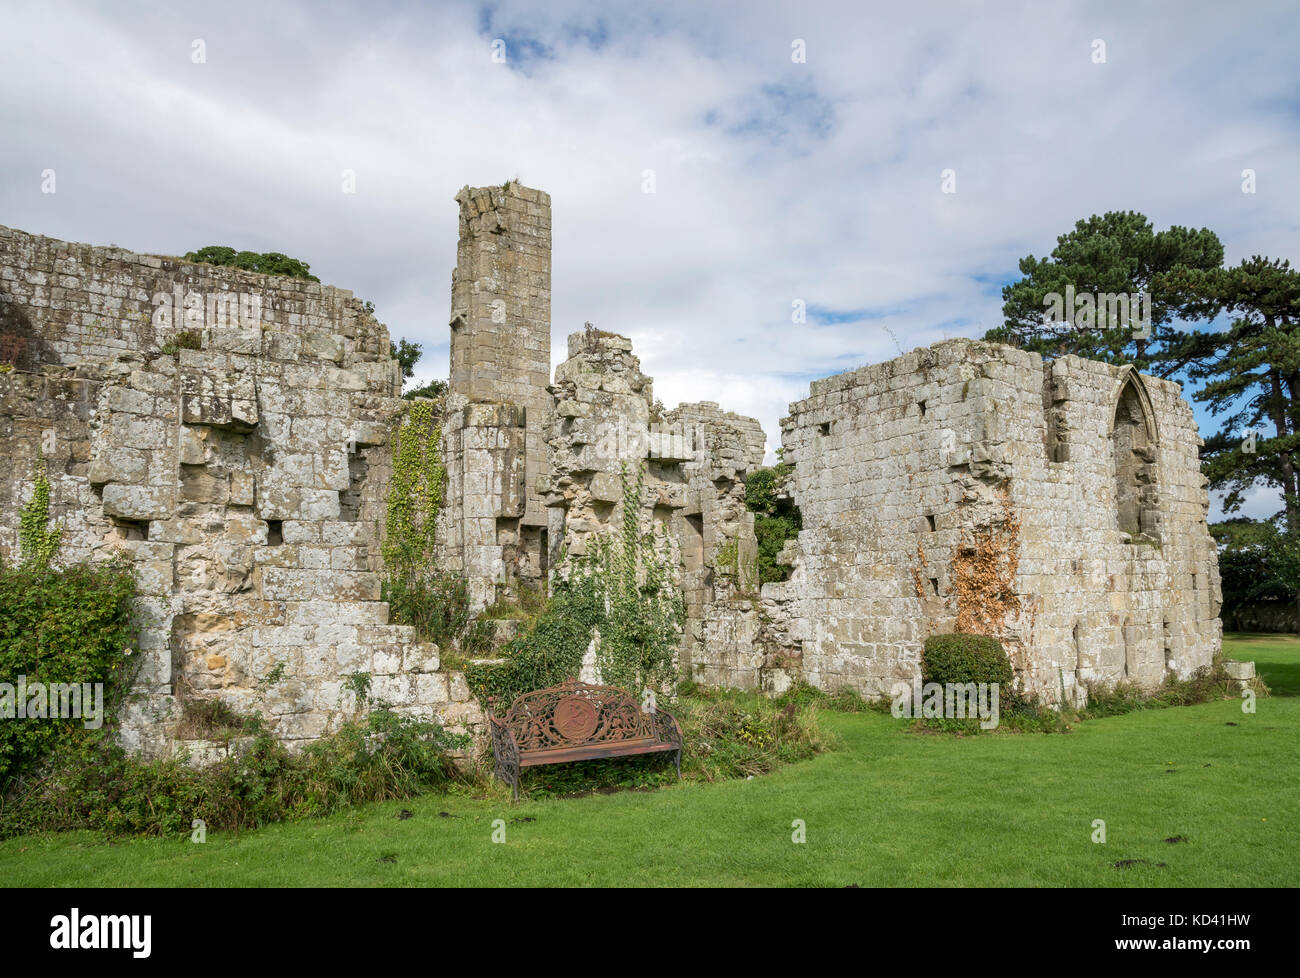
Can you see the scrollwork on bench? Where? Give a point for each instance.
(577, 721)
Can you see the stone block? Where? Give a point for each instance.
(1239, 670)
(137, 502)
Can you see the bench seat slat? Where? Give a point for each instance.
(591, 752)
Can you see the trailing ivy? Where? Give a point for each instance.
(415, 492)
(37, 542)
(621, 592)
(434, 602)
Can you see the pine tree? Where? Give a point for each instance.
(1253, 372)
(1119, 252)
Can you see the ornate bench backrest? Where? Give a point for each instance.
(575, 713)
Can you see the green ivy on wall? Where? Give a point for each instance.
(37, 541)
(415, 491)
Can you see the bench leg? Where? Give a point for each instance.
(507, 769)
(677, 759)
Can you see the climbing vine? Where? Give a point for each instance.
(435, 603)
(415, 491)
(644, 610)
(620, 592)
(37, 541)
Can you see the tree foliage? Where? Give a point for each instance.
(408, 354)
(1251, 375)
(776, 519)
(1118, 252)
(268, 263)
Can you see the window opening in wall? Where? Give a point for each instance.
(131, 529)
(1135, 468)
(274, 533)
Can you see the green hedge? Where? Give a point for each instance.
(74, 625)
(961, 658)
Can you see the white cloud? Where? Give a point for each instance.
(1259, 502)
(776, 181)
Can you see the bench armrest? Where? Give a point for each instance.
(505, 753)
(503, 738)
(667, 729)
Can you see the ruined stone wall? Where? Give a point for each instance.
(244, 479)
(1115, 590)
(936, 497)
(500, 355)
(967, 486)
(695, 459)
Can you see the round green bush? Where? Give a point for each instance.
(960, 658)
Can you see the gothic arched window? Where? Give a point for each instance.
(1133, 439)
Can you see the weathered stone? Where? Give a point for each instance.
(247, 482)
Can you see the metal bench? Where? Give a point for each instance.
(575, 721)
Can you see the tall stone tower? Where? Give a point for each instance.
(501, 367)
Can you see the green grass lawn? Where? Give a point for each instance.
(889, 808)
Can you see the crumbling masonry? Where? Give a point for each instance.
(962, 487)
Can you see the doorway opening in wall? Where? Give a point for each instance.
(693, 543)
(695, 582)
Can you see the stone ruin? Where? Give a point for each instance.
(968, 486)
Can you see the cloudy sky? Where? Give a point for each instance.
(775, 180)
